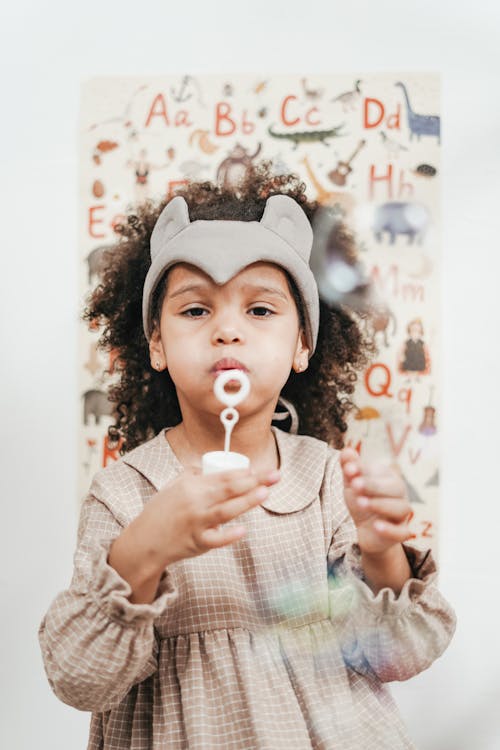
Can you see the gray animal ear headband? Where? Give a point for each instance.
(221, 248)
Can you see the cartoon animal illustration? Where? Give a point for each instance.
(95, 260)
(420, 124)
(312, 94)
(345, 201)
(414, 355)
(425, 170)
(204, 141)
(349, 99)
(397, 217)
(380, 320)
(392, 147)
(343, 169)
(235, 166)
(309, 136)
(96, 402)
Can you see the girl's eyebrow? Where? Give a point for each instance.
(190, 288)
(251, 287)
(266, 290)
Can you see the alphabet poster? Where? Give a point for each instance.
(367, 144)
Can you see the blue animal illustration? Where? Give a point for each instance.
(396, 218)
(420, 124)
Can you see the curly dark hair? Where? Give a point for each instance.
(146, 400)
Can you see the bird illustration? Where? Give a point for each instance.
(392, 147)
(312, 94)
(349, 99)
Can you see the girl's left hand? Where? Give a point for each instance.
(377, 500)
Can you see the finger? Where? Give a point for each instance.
(228, 485)
(224, 486)
(350, 463)
(214, 537)
(392, 510)
(230, 509)
(391, 486)
(380, 467)
(393, 532)
(347, 455)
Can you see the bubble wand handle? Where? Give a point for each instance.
(229, 416)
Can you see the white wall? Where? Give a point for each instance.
(47, 49)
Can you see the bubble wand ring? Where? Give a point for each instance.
(229, 416)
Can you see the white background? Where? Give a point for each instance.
(47, 49)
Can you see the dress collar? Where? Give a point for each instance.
(302, 465)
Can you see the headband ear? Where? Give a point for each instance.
(284, 217)
(173, 219)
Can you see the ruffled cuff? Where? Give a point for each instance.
(386, 601)
(109, 592)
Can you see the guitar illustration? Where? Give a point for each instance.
(339, 175)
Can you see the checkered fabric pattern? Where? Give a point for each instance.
(272, 642)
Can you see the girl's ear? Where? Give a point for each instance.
(156, 352)
(301, 358)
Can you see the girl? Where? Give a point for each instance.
(260, 608)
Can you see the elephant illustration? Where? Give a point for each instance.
(96, 402)
(396, 218)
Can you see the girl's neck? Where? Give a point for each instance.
(252, 436)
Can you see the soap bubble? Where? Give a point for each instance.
(340, 277)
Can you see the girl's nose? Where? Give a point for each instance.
(226, 332)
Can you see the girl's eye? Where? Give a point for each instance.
(194, 312)
(261, 312)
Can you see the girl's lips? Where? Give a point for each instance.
(228, 364)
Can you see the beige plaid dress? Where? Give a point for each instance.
(272, 642)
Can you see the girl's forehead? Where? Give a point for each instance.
(256, 273)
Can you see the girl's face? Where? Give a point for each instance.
(250, 323)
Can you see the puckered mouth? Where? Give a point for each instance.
(228, 363)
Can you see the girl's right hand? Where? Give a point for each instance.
(184, 517)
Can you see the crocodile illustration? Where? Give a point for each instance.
(309, 136)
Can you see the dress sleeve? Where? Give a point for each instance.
(393, 636)
(95, 643)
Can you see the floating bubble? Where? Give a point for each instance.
(340, 277)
